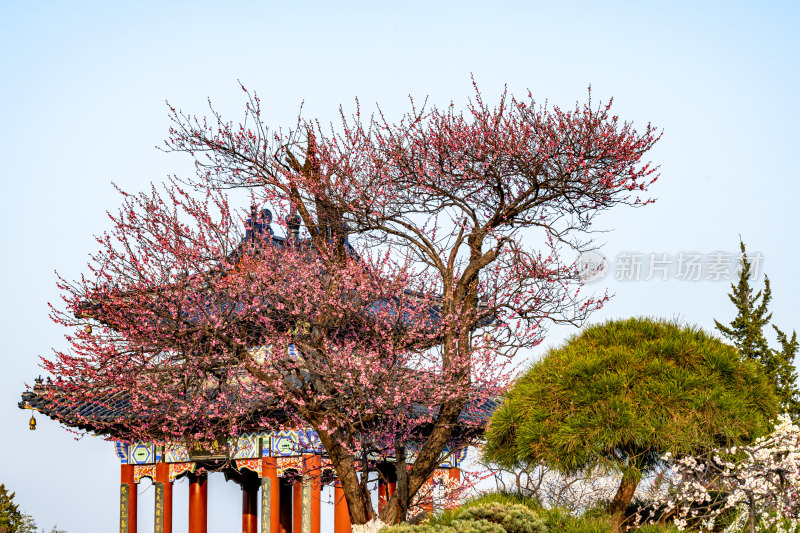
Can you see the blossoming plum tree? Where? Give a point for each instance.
(419, 257)
(758, 484)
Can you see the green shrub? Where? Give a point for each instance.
(477, 526)
(456, 526)
(514, 518)
(658, 528)
(421, 528)
(553, 520)
(562, 521)
(481, 517)
(512, 513)
(505, 498)
(502, 498)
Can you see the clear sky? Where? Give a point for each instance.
(82, 91)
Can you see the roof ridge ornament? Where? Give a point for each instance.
(257, 225)
(293, 221)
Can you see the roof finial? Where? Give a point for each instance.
(293, 223)
(258, 224)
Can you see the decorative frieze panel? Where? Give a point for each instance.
(309, 441)
(141, 471)
(455, 459)
(141, 453)
(176, 453)
(176, 469)
(246, 446)
(289, 463)
(251, 464)
(281, 444)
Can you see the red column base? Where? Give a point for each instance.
(198, 503)
(341, 514)
(128, 493)
(249, 508)
(162, 476)
(270, 500)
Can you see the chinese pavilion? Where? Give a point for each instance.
(283, 469)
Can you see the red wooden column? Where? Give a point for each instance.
(162, 476)
(313, 484)
(341, 514)
(127, 500)
(385, 491)
(198, 503)
(250, 507)
(382, 495)
(270, 496)
(297, 506)
(428, 487)
(285, 513)
(454, 473)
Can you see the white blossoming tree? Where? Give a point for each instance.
(755, 487)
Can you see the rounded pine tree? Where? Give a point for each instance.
(623, 393)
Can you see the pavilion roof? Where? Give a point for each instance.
(104, 413)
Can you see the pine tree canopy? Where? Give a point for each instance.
(623, 393)
(630, 389)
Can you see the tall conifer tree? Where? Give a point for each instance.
(746, 332)
(10, 516)
(787, 375)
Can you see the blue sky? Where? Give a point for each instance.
(82, 91)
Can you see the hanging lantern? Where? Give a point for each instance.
(32, 423)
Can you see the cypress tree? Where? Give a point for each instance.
(746, 332)
(786, 375)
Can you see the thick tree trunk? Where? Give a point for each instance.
(426, 462)
(355, 490)
(428, 457)
(359, 503)
(358, 498)
(618, 505)
(401, 473)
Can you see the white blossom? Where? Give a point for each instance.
(763, 477)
